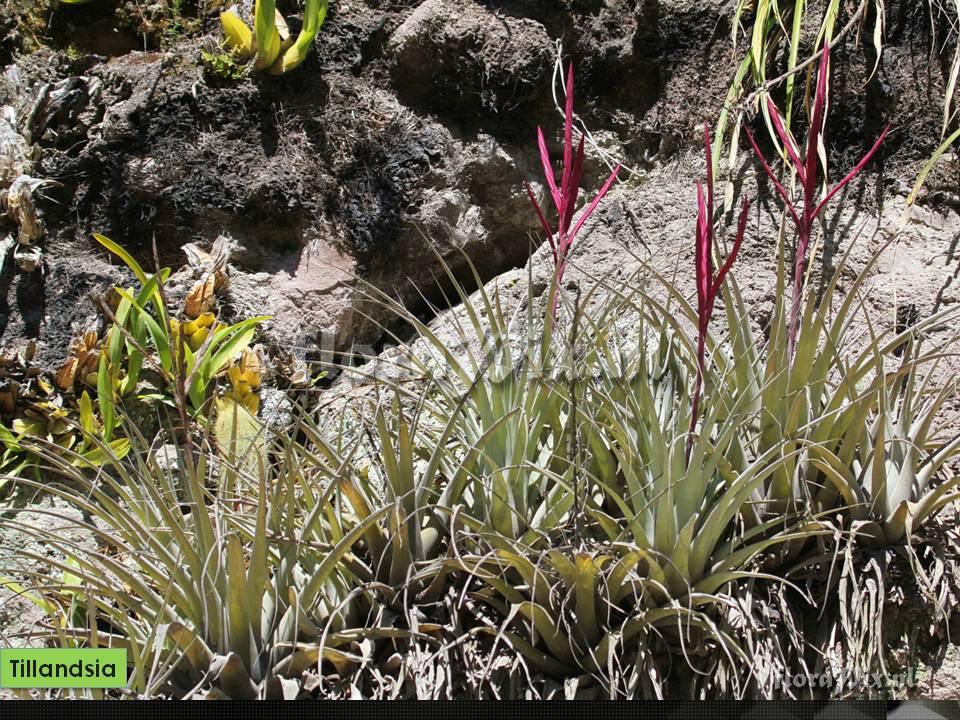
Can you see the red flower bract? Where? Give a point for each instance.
(565, 195)
(708, 286)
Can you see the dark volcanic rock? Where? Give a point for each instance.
(456, 58)
(347, 175)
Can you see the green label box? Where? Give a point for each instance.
(55, 668)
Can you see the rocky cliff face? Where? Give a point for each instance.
(405, 139)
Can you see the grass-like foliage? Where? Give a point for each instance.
(188, 355)
(222, 587)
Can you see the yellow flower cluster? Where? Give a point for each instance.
(195, 332)
(245, 380)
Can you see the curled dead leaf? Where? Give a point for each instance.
(201, 297)
(220, 280)
(67, 375)
(251, 362)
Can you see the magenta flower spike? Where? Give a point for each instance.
(708, 285)
(565, 195)
(806, 167)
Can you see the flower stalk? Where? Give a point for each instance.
(806, 168)
(565, 194)
(708, 285)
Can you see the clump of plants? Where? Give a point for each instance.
(188, 353)
(269, 44)
(33, 408)
(145, 359)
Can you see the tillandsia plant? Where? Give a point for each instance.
(806, 168)
(777, 31)
(211, 597)
(565, 195)
(494, 410)
(274, 49)
(586, 615)
(837, 404)
(708, 286)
